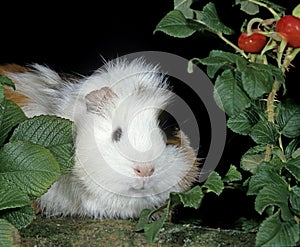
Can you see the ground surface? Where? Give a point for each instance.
(86, 232)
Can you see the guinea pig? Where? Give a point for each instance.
(124, 162)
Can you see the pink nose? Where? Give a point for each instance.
(144, 170)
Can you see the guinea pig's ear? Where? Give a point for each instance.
(97, 99)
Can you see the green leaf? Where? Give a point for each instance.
(184, 7)
(20, 217)
(264, 133)
(264, 177)
(251, 8)
(253, 158)
(248, 7)
(51, 132)
(293, 166)
(12, 197)
(214, 183)
(296, 11)
(30, 167)
(257, 79)
(6, 81)
(228, 94)
(9, 235)
(275, 232)
(143, 219)
(232, 175)
(175, 24)
(296, 153)
(152, 229)
(274, 195)
(292, 149)
(1, 93)
(295, 200)
(243, 122)
(10, 115)
(221, 59)
(191, 198)
(210, 18)
(288, 119)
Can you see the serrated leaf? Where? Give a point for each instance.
(243, 122)
(184, 7)
(210, 18)
(175, 24)
(30, 167)
(9, 235)
(257, 79)
(264, 177)
(51, 132)
(240, 123)
(214, 183)
(293, 166)
(275, 232)
(11, 196)
(20, 217)
(274, 195)
(10, 115)
(295, 200)
(191, 198)
(253, 158)
(232, 175)
(264, 133)
(228, 94)
(221, 59)
(288, 119)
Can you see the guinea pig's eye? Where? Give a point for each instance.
(116, 136)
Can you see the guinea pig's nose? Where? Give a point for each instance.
(144, 170)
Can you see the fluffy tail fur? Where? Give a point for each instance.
(39, 90)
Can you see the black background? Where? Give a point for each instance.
(75, 37)
(72, 37)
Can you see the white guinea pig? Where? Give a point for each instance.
(123, 161)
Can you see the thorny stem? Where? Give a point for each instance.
(290, 55)
(271, 115)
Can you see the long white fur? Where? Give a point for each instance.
(102, 183)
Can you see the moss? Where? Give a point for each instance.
(88, 232)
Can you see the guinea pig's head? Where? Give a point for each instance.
(122, 148)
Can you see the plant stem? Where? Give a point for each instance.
(290, 55)
(276, 16)
(250, 24)
(228, 42)
(271, 115)
(271, 100)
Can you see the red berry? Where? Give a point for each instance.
(288, 28)
(252, 43)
